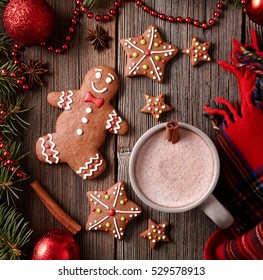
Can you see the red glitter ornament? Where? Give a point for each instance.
(254, 10)
(55, 244)
(29, 22)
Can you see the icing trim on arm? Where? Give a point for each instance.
(113, 123)
(50, 146)
(65, 100)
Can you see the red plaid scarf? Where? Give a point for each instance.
(240, 147)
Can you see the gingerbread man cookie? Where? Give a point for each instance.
(148, 54)
(81, 128)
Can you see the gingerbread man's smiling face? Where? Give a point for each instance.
(102, 82)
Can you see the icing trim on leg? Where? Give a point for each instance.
(55, 153)
(90, 167)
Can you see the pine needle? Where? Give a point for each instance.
(89, 3)
(14, 234)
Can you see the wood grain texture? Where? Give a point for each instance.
(187, 89)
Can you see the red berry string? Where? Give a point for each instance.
(179, 19)
(80, 9)
(20, 79)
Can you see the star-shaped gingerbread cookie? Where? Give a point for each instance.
(147, 54)
(155, 233)
(111, 210)
(198, 51)
(155, 106)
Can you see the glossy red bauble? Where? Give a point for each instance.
(29, 22)
(254, 10)
(55, 244)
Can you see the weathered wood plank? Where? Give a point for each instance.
(187, 89)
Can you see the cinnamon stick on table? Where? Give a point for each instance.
(172, 131)
(55, 209)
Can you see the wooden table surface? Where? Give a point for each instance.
(187, 90)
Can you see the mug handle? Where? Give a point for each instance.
(217, 212)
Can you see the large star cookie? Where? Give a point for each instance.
(198, 51)
(111, 210)
(155, 233)
(147, 54)
(155, 106)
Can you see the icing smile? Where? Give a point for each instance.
(98, 90)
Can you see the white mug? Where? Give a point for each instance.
(208, 203)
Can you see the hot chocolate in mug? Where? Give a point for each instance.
(177, 177)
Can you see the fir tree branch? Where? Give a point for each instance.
(12, 122)
(3, 4)
(89, 3)
(14, 234)
(236, 3)
(8, 86)
(9, 172)
(5, 41)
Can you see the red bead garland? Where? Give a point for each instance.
(180, 19)
(113, 11)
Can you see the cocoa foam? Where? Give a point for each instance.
(174, 175)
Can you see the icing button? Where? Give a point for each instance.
(79, 131)
(84, 120)
(88, 110)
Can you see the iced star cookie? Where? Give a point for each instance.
(155, 233)
(111, 210)
(155, 105)
(81, 127)
(198, 52)
(147, 54)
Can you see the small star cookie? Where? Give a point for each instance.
(155, 106)
(147, 54)
(111, 210)
(155, 233)
(198, 51)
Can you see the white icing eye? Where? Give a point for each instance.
(108, 80)
(98, 75)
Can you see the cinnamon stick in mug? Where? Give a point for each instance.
(172, 131)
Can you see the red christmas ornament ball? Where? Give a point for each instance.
(55, 244)
(29, 22)
(254, 10)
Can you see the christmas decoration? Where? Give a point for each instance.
(254, 10)
(55, 209)
(111, 210)
(89, 3)
(155, 106)
(179, 19)
(198, 52)
(33, 69)
(155, 233)
(21, 31)
(239, 144)
(236, 3)
(29, 22)
(98, 38)
(55, 244)
(12, 82)
(11, 124)
(14, 234)
(147, 54)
